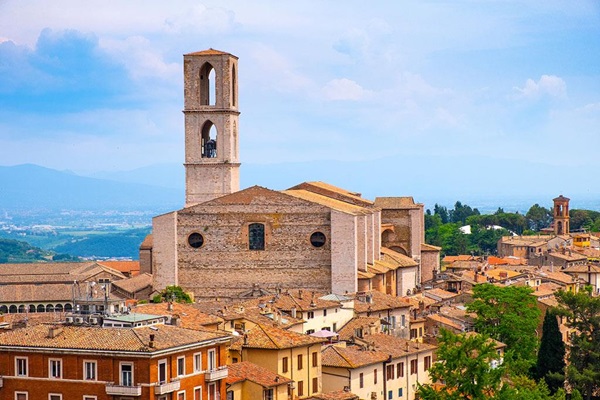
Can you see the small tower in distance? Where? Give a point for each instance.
(211, 125)
(561, 215)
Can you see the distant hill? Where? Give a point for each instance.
(30, 186)
(15, 251)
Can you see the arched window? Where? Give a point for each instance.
(41, 308)
(256, 236)
(31, 308)
(58, 307)
(12, 309)
(207, 85)
(3, 310)
(22, 308)
(68, 307)
(209, 140)
(50, 308)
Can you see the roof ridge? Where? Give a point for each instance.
(269, 336)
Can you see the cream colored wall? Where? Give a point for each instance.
(340, 318)
(361, 240)
(164, 250)
(406, 279)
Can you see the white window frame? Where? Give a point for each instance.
(211, 359)
(89, 397)
(26, 360)
(163, 362)
(181, 392)
(196, 388)
(25, 393)
(121, 364)
(197, 362)
(60, 396)
(50, 369)
(181, 360)
(85, 371)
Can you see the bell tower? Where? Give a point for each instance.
(561, 215)
(211, 123)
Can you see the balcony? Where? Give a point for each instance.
(118, 390)
(216, 374)
(167, 387)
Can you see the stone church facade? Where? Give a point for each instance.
(226, 242)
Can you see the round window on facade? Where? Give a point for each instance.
(317, 239)
(196, 240)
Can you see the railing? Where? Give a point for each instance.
(167, 387)
(216, 374)
(119, 390)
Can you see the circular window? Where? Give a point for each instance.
(196, 240)
(317, 239)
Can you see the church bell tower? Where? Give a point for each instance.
(561, 215)
(211, 125)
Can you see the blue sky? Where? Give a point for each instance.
(97, 85)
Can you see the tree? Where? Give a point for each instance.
(508, 314)
(173, 293)
(462, 212)
(442, 212)
(464, 364)
(551, 355)
(538, 217)
(582, 311)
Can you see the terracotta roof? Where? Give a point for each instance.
(379, 302)
(506, 260)
(190, 317)
(239, 311)
(401, 260)
(396, 203)
(561, 198)
(210, 52)
(147, 243)
(429, 247)
(48, 292)
(302, 300)
(134, 284)
(460, 257)
(350, 357)
(364, 275)
(107, 339)
(337, 395)
(396, 346)
(127, 267)
(445, 321)
(269, 337)
(329, 190)
(245, 370)
(583, 269)
(329, 202)
(572, 256)
(437, 292)
(364, 323)
(554, 274)
(500, 274)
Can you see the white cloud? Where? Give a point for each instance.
(548, 85)
(344, 89)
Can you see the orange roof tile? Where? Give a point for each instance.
(210, 52)
(245, 370)
(189, 316)
(350, 357)
(269, 337)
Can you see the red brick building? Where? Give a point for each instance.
(94, 363)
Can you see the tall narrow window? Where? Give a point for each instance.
(207, 85)
(197, 362)
(212, 360)
(162, 371)
(21, 366)
(233, 87)
(299, 362)
(180, 366)
(89, 370)
(256, 236)
(209, 140)
(126, 375)
(55, 368)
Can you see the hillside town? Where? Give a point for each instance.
(312, 292)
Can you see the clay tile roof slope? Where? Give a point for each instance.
(396, 346)
(189, 316)
(348, 330)
(328, 190)
(379, 302)
(246, 370)
(135, 283)
(147, 243)
(31, 292)
(107, 339)
(350, 357)
(589, 268)
(287, 300)
(210, 52)
(390, 255)
(128, 267)
(335, 395)
(269, 337)
(396, 203)
(329, 202)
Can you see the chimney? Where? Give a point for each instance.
(151, 343)
(170, 306)
(54, 331)
(300, 294)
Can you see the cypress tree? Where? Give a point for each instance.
(551, 355)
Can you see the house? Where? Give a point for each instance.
(157, 361)
(248, 381)
(292, 355)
